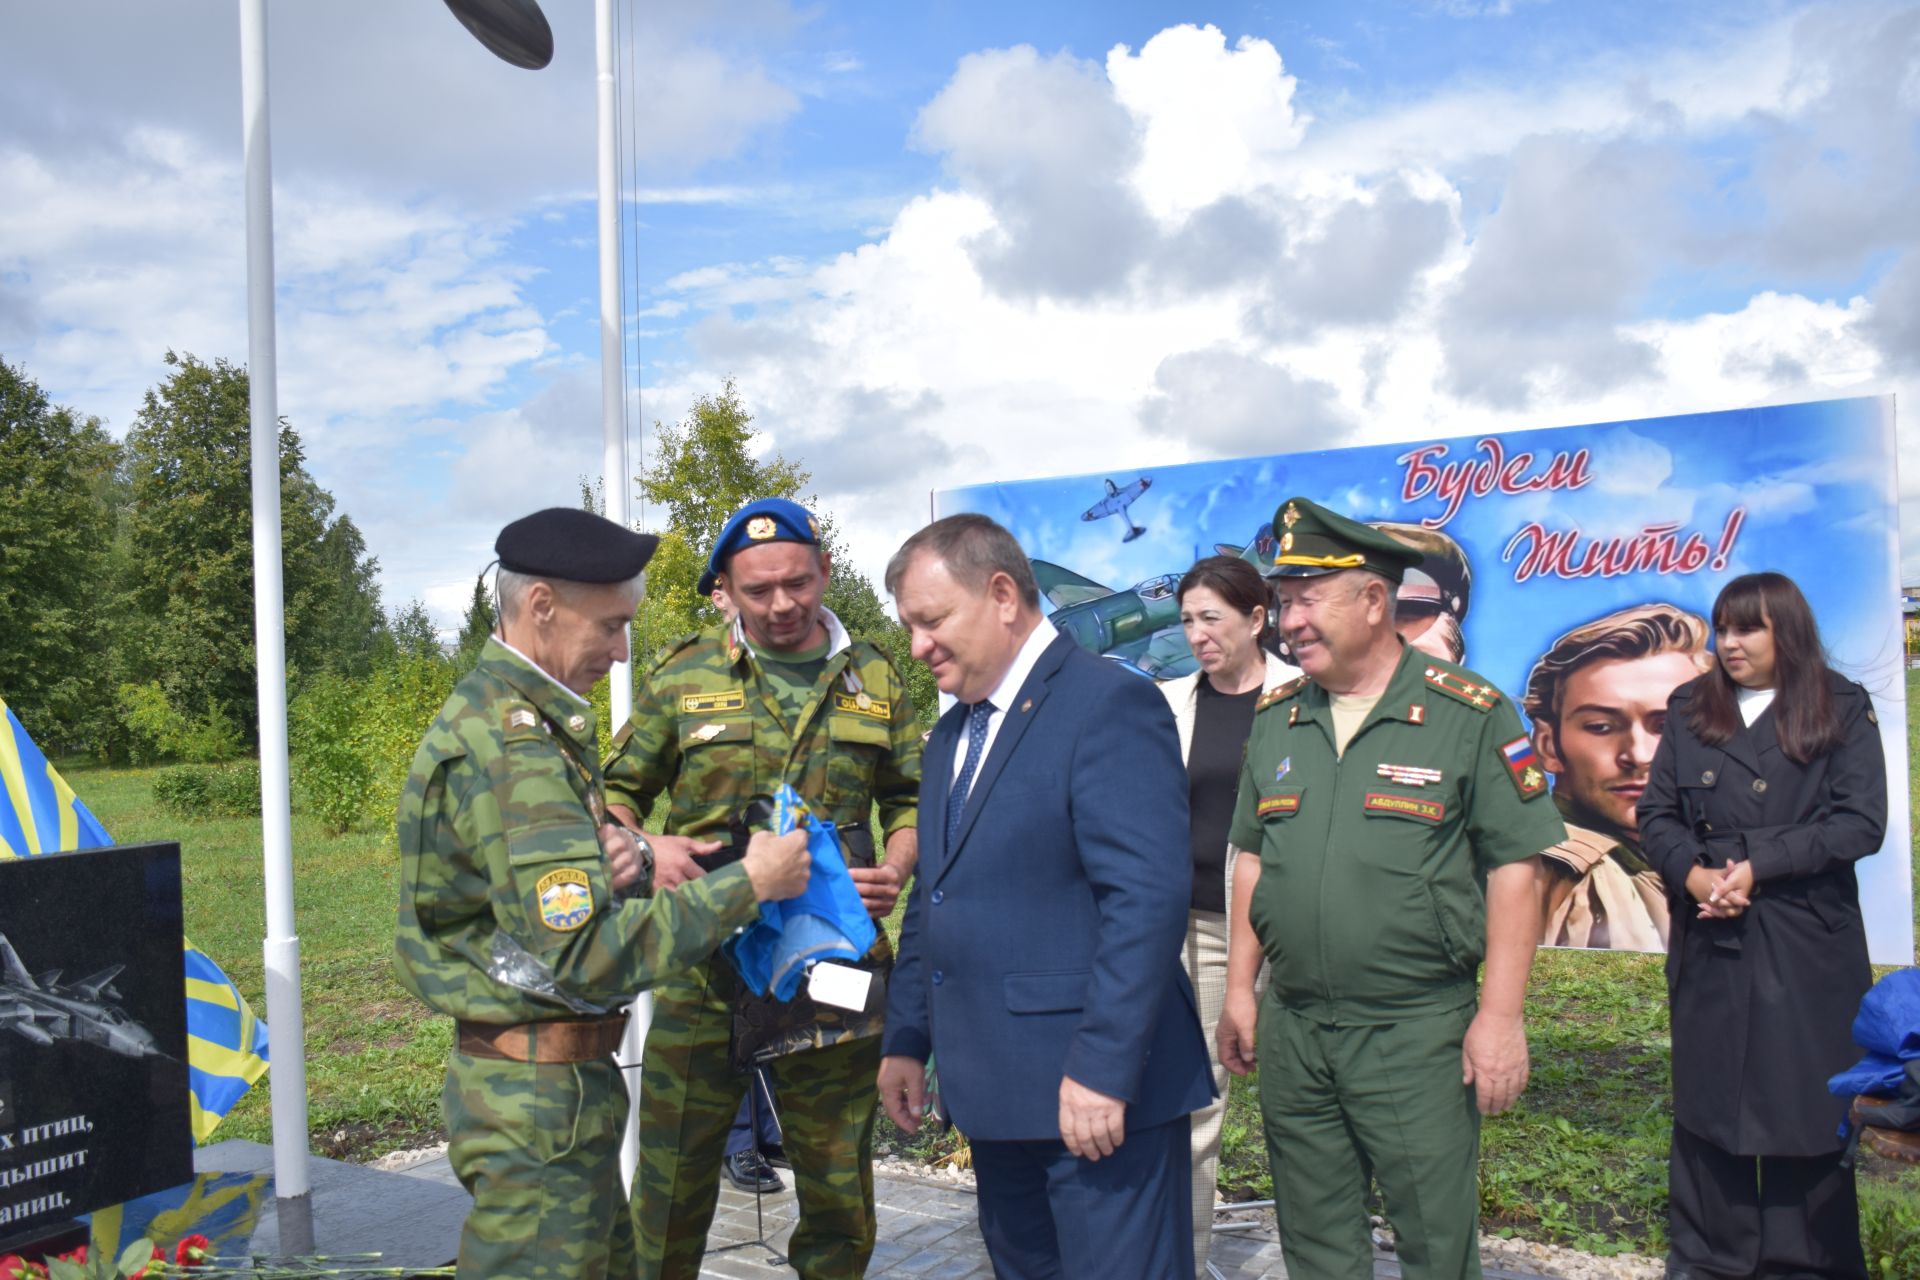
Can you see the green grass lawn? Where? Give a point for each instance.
(1581, 1160)
(375, 1056)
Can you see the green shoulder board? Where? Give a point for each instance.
(1463, 686)
(667, 651)
(1280, 693)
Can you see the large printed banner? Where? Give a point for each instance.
(1575, 567)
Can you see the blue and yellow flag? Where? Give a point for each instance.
(226, 1044)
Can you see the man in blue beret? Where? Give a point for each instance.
(781, 694)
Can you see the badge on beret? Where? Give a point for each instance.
(813, 527)
(566, 899)
(1524, 768)
(760, 528)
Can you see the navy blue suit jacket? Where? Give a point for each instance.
(1046, 941)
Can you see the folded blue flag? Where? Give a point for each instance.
(827, 921)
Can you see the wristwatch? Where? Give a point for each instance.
(643, 887)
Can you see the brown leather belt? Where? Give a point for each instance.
(560, 1040)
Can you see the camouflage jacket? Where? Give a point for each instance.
(498, 835)
(707, 730)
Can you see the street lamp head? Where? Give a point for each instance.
(515, 30)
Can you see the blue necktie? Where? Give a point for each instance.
(979, 716)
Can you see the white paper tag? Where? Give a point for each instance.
(840, 985)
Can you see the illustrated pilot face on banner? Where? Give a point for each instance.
(1609, 729)
(1598, 700)
(1432, 602)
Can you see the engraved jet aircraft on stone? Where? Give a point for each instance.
(43, 1009)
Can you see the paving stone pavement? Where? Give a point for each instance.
(928, 1230)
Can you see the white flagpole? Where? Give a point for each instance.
(282, 946)
(613, 390)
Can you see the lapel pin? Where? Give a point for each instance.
(1027, 705)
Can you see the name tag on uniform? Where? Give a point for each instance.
(1282, 805)
(1415, 807)
(839, 985)
(863, 704)
(700, 703)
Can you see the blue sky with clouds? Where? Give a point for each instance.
(947, 243)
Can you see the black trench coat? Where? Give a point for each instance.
(1763, 1005)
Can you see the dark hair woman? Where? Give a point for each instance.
(1768, 786)
(1223, 608)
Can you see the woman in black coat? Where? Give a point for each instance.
(1769, 784)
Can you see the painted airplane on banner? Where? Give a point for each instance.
(1118, 499)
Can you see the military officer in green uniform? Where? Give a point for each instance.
(510, 916)
(1397, 812)
(782, 695)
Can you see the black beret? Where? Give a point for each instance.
(573, 546)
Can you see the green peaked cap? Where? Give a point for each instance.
(1315, 541)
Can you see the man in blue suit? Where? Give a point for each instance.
(1040, 955)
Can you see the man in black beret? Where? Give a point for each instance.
(510, 919)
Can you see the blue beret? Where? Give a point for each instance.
(573, 546)
(763, 520)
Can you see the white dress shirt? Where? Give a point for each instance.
(1003, 695)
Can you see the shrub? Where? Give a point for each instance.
(198, 791)
(353, 740)
(157, 730)
(1890, 1225)
(152, 722)
(331, 767)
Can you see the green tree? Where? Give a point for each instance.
(189, 555)
(413, 634)
(346, 615)
(702, 473)
(479, 623)
(56, 472)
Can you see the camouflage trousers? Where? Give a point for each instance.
(538, 1146)
(689, 1094)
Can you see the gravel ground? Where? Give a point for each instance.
(1513, 1255)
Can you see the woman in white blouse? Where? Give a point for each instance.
(1223, 608)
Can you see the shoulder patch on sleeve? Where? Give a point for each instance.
(565, 899)
(1480, 696)
(1523, 766)
(1280, 693)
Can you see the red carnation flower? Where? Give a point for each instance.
(192, 1250)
